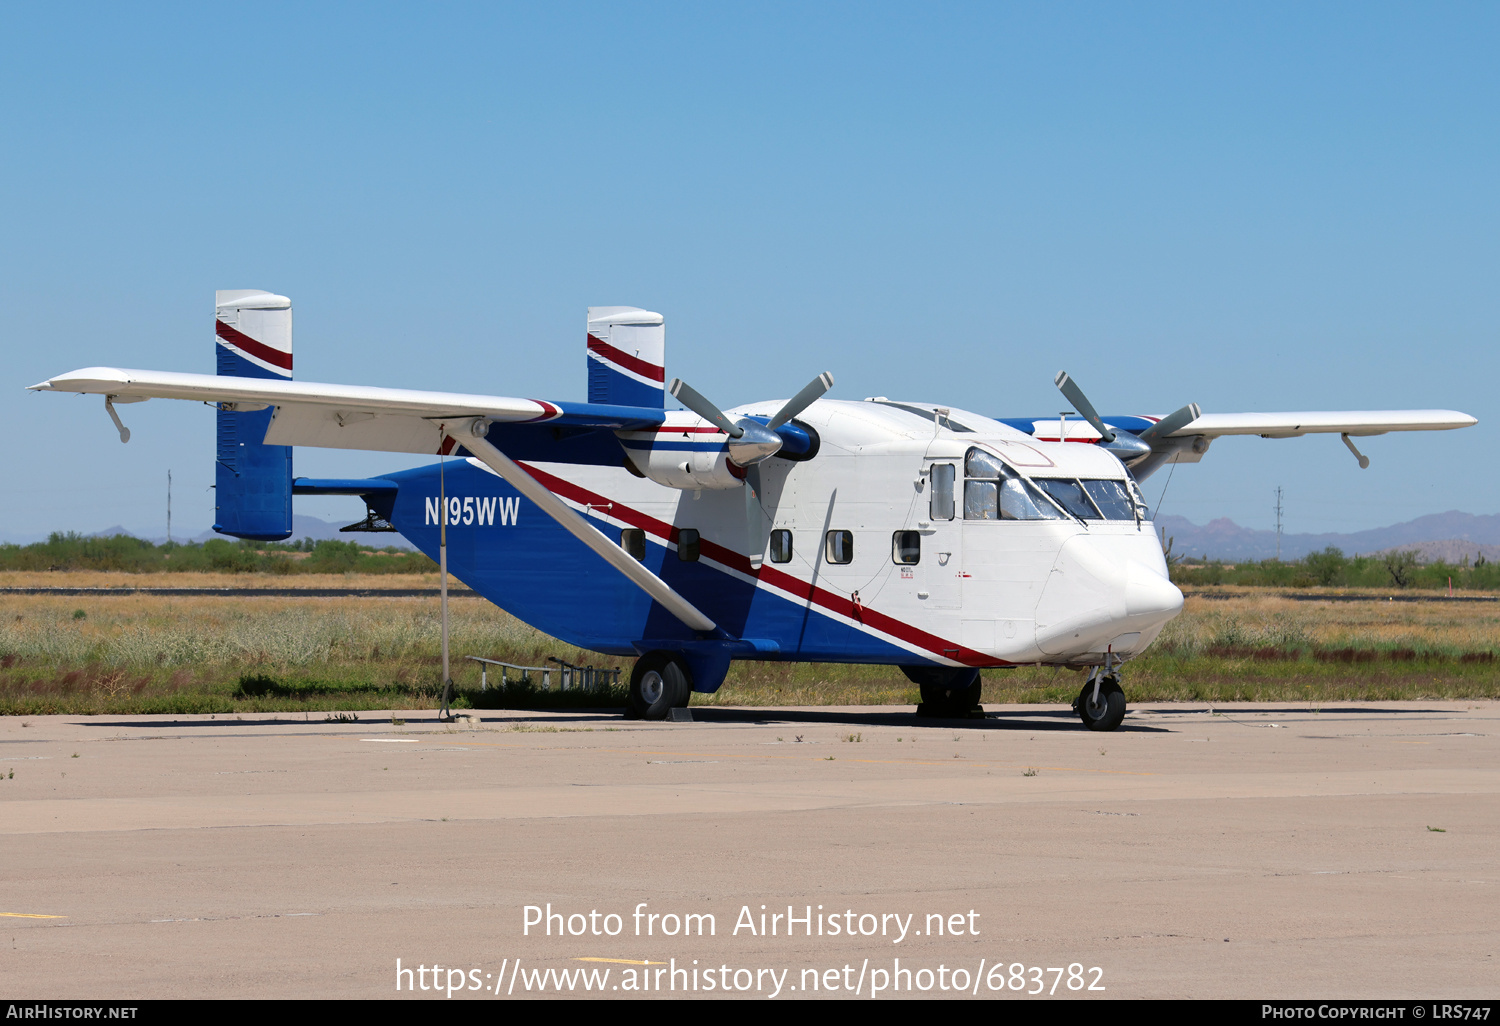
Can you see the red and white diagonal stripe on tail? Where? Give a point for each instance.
(256, 325)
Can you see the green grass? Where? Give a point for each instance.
(159, 654)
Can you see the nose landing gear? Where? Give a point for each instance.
(1101, 703)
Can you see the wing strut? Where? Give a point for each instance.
(579, 527)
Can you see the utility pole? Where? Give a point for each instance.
(169, 507)
(1278, 523)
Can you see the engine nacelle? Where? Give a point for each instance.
(685, 452)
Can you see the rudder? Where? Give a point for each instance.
(626, 356)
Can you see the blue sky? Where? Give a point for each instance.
(1252, 206)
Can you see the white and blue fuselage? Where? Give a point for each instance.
(893, 545)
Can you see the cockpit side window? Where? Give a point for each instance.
(1112, 499)
(993, 491)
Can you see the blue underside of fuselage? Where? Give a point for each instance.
(535, 569)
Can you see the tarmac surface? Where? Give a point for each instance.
(1244, 851)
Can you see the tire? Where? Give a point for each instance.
(658, 684)
(1109, 711)
(947, 693)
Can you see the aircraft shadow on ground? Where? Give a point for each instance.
(1041, 719)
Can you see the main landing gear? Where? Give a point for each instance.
(947, 692)
(659, 683)
(1101, 703)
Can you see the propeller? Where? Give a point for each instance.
(749, 440)
(1075, 395)
(1127, 446)
(699, 404)
(811, 393)
(1170, 423)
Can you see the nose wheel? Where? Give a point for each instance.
(1101, 703)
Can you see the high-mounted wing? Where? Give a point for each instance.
(1184, 436)
(344, 416)
(1293, 425)
(400, 420)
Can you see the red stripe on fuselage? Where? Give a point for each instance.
(259, 350)
(631, 363)
(769, 575)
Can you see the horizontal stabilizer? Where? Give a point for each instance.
(343, 486)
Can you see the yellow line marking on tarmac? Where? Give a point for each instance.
(29, 915)
(621, 961)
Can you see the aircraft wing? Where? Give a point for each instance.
(1292, 425)
(344, 416)
(398, 420)
(1188, 442)
(1267, 425)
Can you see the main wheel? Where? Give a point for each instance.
(946, 693)
(1105, 713)
(658, 684)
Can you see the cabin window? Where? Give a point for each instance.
(839, 547)
(687, 545)
(633, 541)
(993, 491)
(781, 546)
(906, 547)
(1112, 499)
(1070, 496)
(943, 475)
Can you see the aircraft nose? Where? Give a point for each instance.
(1149, 595)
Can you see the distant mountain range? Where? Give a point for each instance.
(1448, 536)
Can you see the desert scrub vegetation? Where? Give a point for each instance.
(122, 553)
(144, 653)
(1331, 568)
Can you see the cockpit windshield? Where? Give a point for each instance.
(1096, 499)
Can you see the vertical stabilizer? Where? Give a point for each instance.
(627, 356)
(253, 481)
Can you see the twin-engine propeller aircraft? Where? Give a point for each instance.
(927, 537)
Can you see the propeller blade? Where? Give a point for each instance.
(1075, 395)
(755, 517)
(693, 400)
(802, 400)
(1170, 423)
